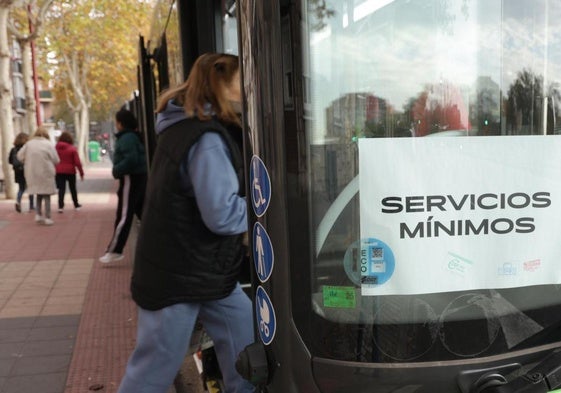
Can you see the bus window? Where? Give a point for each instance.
(435, 177)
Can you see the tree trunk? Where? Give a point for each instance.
(6, 96)
(30, 104)
(84, 132)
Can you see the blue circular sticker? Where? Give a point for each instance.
(266, 320)
(263, 256)
(260, 186)
(376, 262)
(351, 262)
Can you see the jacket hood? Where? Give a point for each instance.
(172, 114)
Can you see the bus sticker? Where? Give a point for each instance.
(460, 213)
(339, 297)
(377, 263)
(266, 319)
(260, 186)
(263, 255)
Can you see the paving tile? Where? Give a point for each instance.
(41, 280)
(9, 286)
(41, 365)
(38, 276)
(10, 350)
(52, 333)
(19, 266)
(61, 309)
(6, 365)
(35, 287)
(6, 294)
(52, 264)
(60, 300)
(14, 335)
(22, 293)
(14, 273)
(20, 311)
(72, 282)
(28, 301)
(52, 347)
(44, 268)
(7, 281)
(16, 323)
(61, 320)
(76, 270)
(43, 383)
(61, 292)
(82, 261)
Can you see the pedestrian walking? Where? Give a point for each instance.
(66, 170)
(39, 158)
(129, 167)
(190, 243)
(19, 174)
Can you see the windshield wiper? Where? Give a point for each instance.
(543, 378)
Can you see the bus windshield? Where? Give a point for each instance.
(435, 177)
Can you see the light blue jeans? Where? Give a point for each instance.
(163, 338)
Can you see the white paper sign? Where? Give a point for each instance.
(459, 213)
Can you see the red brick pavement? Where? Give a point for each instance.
(106, 313)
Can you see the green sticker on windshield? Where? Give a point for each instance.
(340, 297)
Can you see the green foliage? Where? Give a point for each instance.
(100, 39)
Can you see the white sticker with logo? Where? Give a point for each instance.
(460, 213)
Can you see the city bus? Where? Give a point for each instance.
(404, 188)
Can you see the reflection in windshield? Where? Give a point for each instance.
(409, 69)
(412, 68)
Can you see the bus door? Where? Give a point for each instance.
(404, 174)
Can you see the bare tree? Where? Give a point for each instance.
(6, 94)
(76, 65)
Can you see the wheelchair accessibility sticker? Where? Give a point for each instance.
(263, 256)
(260, 186)
(266, 321)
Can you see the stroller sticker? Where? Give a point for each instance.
(266, 321)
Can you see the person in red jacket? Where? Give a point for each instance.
(66, 170)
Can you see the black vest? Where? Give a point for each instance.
(178, 259)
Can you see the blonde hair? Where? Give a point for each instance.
(42, 132)
(210, 74)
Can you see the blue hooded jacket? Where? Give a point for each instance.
(207, 174)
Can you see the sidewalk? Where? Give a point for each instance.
(67, 323)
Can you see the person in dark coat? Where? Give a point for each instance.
(191, 240)
(19, 174)
(129, 167)
(66, 170)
